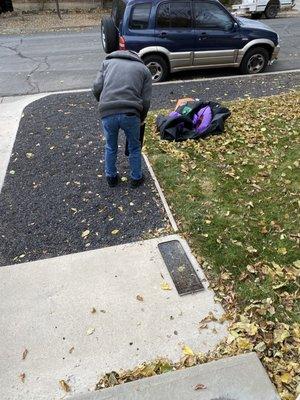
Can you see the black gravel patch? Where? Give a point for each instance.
(55, 189)
(166, 95)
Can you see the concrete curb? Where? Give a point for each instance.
(161, 194)
(232, 77)
(240, 377)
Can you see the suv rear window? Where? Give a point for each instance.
(174, 15)
(140, 16)
(118, 10)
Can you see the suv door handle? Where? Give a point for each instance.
(163, 34)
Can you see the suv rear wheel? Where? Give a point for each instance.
(109, 35)
(158, 67)
(255, 61)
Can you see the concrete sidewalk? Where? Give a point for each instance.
(47, 308)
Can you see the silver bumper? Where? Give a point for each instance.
(274, 54)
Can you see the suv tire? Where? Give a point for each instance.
(272, 10)
(158, 67)
(109, 35)
(255, 61)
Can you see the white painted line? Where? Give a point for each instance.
(161, 194)
(250, 76)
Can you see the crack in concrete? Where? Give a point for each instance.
(47, 63)
(32, 85)
(30, 82)
(17, 51)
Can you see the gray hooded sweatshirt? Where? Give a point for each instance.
(123, 85)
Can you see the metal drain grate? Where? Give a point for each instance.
(180, 268)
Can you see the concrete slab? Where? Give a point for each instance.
(11, 109)
(238, 378)
(46, 308)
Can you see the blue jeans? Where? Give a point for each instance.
(131, 127)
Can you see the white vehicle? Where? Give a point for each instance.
(256, 8)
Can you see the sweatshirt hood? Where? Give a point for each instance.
(124, 54)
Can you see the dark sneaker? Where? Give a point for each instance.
(135, 183)
(112, 181)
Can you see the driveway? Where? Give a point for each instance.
(49, 62)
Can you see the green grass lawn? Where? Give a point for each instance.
(236, 198)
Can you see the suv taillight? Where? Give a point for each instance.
(122, 43)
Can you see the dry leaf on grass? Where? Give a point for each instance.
(282, 250)
(297, 264)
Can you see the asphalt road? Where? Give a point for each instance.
(48, 62)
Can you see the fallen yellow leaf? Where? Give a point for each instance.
(64, 386)
(90, 331)
(297, 263)
(187, 350)
(244, 344)
(282, 250)
(165, 286)
(280, 335)
(286, 377)
(85, 233)
(251, 249)
(115, 232)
